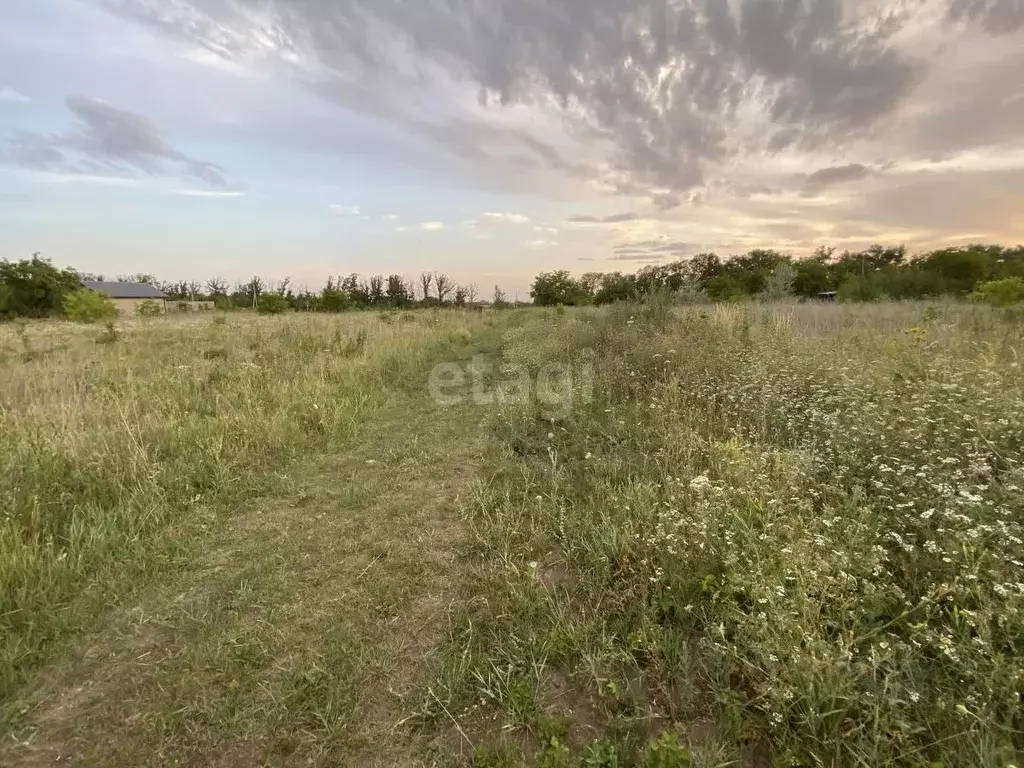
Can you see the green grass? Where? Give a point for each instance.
(780, 535)
(746, 535)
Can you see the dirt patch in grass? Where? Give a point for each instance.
(566, 700)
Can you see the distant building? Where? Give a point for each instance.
(128, 296)
(827, 296)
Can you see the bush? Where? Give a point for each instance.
(150, 308)
(272, 304)
(85, 306)
(109, 334)
(1001, 293)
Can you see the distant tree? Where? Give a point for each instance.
(753, 269)
(444, 286)
(426, 279)
(557, 288)
(216, 288)
(397, 293)
(333, 298)
(590, 282)
(726, 288)
(616, 286)
(812, 276)
(962, 269)
(472, 293)
(779, 285)
(357, 291)
(284, 288)
(272, 304)
(143, 278)
(460, 296)
(499, 301)
(704, 267)
(254, 289)
(860, 288)
(34, 288)
(376, 291)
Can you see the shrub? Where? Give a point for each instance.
(109, 334)
(150, 308)
(272, 304)
(1001, 293)
(85, 306)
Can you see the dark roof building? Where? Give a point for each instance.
(125, 290)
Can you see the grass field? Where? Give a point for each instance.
(730, 535)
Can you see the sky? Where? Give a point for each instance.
(494, 139)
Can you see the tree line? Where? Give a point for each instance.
(878, 272)
(339, 294)
(36, 288)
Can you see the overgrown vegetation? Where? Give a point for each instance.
(754, 534)
(34, 288)
(774, 536)
(876, 273)
(112, 454)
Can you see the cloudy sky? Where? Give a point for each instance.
(496, 138)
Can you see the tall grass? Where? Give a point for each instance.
(117, 457)
(778, 534)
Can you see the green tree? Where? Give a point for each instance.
(860, 288)
(1001, 293)
(616, 286)
(272, 304)
(34, 288)
(333, 298)
(704, 267)
(812, 276)
(397, 293)
(726, 288)
(554, 288)
(962, 269)
(85, 306)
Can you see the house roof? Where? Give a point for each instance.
(126, 290)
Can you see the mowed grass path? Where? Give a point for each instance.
(299, 627)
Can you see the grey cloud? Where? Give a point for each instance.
(616, 218)
(829, 177)
(666, 201)
(997, 16)
(645, 258)
(745, 191)
(661, 80)
(110, 142)
(657, 246)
